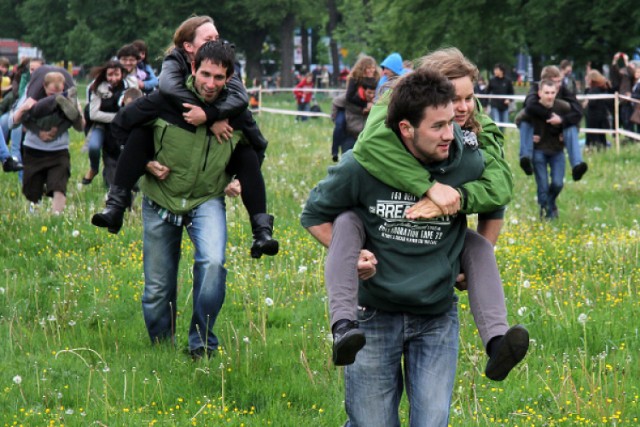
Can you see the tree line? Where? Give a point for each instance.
(487, 31)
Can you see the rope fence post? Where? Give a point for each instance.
(616, 121)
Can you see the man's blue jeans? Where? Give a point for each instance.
(374, 383)
(96, 141)
(4, 150)
(548, 191)
(161, 248)
(342, 140)
(569, 134)
(499, 116)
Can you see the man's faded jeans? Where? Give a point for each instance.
(208, 232)
(374, 383)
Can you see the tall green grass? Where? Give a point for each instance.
(75, 350)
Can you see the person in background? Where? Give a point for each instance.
(622, 74)
(548, 153)
(107, 90)
(147, 80)
(364, 68)
(597, 111)
(392, 68)
(499, 84)
(46, 158)
(304, 97)
(569, 121)
(568, 81)
(480, 88)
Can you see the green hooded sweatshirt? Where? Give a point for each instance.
(418, 260)
(381, 153)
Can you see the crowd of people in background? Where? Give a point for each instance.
(38, 105)
(130, 73)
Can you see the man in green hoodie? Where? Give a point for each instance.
(409, 306)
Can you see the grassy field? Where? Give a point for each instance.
(76, 352)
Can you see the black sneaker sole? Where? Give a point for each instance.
(512, 350)
(345, 350)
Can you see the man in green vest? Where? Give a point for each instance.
(184, 189)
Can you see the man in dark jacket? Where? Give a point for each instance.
(499, 84)
(569, 122)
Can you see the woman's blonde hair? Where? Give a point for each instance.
(453, 65)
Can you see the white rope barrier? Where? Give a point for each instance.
(616, 131)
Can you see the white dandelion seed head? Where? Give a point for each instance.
(582, 318)
(632, 233)
(522, 311)
(17, 379)
(245, 340)
(302, 269)
(526, 284)
(268, 302)
(514, 221)
(75, 233)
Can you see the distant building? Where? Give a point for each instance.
(15, 50)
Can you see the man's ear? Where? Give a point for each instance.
(406, 129)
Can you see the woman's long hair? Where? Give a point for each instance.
(100, 73)
(364, 62)
(454, 65)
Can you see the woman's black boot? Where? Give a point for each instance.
(263, 242)
(111, 218)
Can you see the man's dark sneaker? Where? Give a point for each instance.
(507, 352)
(348, 340)
(552, 213)
(543, 213)
(579, 170)
(526, 165)
(11, 165)
(201, 353)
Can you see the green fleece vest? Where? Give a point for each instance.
(197, 162)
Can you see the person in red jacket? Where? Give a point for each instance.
(303, 97)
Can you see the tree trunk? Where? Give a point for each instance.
(286, 50)
(334, 19)
(304, 40)
(253, 53)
